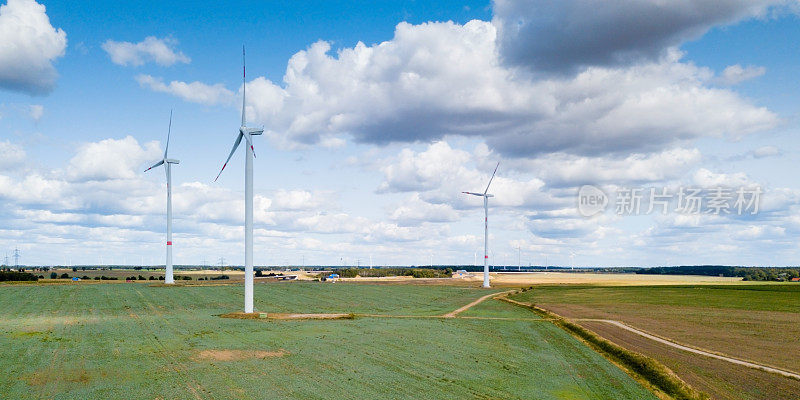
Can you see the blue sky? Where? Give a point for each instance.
(377, 114)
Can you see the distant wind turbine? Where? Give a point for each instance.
(246, 133)
(486, 196)
(167, 162)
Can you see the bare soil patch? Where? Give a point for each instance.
(241, 315)
(237, 355)
(287, 316)
(308, 316)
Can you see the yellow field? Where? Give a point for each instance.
(537, 278)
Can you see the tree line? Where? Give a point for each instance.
(776, 274)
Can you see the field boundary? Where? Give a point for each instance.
(647, 370)
(695, 350)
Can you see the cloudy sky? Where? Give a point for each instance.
(377, 115)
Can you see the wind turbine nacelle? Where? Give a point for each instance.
(252, 131)
(172, 161)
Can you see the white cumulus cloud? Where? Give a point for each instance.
(435, 80)
(195, 92)
(735, 74)
(29, 45)
(151, 49)
(111, 159)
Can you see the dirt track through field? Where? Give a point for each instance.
(453, 313)
(749, 364)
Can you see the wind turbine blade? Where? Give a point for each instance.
(490, 179)
(250, 142)
(244, 86)
(155, 165)
(474, 194)
(169, 130)
(235, 145)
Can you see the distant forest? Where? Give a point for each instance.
(747, 273)
(8, 275)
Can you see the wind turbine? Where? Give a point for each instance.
(167, 162)
(486, 196)
(246, 133)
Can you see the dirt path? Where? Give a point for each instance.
(453, 313)
(696, 351)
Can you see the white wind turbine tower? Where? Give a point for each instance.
(167, 162)
(246, 133)
(486, 196)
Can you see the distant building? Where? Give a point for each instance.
(461, 273)
(795, 279)
(332, 278)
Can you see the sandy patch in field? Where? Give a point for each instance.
(534, 278)
(309, 316)
(268, 316)
(237, 355)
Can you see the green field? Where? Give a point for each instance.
(759, 322)
(135, 341)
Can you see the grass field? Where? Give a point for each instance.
(136, 341)
(758, 322)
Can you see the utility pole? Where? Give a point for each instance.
(5, 260)
(519, 258)
(16, 258)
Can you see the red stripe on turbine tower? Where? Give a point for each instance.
(485, 256)
(169, 243)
